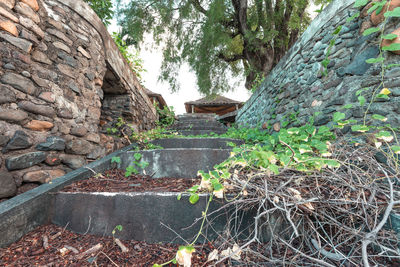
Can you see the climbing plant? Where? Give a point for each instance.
(103, 9)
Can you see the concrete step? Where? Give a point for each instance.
(150, 216)
(197, 128)
(176, 162)
(214, 143)
(200, 132)
(198, 123)
(197, 115)
(103, 211)
(184, 119)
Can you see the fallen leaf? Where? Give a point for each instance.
(213, 256)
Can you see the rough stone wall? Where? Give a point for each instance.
(296, 84)
(58, 65)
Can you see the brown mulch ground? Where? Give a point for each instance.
(29, 251)
(115, 181)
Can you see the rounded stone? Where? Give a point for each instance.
(8, 188)
(25, 161)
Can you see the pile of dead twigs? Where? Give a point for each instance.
(336, 217)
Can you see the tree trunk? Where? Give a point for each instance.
(260, 59)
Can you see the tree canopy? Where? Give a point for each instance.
(247, 37)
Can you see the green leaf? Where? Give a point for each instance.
(304, 149)
(215, 174)
(332, 163)
(392, 66)
(274, 169)
(348, 106)
(218, 186)
(361, 100)
(284, 159)
(137, 156)
(187, 248)
(375, 60)
(374, 7)
(293, 130)
(193, 189)
(360, 128)
(384, 135)
(379, 117)
(356, 15)
(179, 197)
(360, 3)
(391, 47)
(389, 36)
(383, 96)
(396, 149)
(194, 198)
(394, 13)
(157, 265)
(337, 116)
(360, 91)
(338, 29)
(323, 129)
(116, 160)
(119, 227)
(371, 31)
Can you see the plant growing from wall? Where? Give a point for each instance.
(103, 9)
(133, 59)
(166, 116)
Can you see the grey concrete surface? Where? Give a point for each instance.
(151, 217)
(25, 212)
(214, 143)
(176, 162)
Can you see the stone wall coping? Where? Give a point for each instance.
(113, 56)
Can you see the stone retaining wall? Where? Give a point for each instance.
(296, 85)
(58, 65)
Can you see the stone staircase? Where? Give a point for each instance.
(198, 124)
(145, 216)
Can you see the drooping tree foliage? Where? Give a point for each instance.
(103, 9)
(247, 37)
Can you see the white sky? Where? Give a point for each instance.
(152, 58)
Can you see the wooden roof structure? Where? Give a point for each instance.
(156, 98)
(217, 104)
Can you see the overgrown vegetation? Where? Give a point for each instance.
(331, 201)
(166, 116)
(103, 9)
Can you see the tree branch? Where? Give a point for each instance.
(371, 236)
(198, 7)
(240, 7)
(230, 59)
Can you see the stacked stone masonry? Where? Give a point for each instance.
(54, 57)
(297, 86)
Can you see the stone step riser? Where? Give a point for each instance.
(24, 212)
(197, 124)
(177, 162)
(142, 215)
(196, 119)
(199, 128)
(199, 132)
(214, 143)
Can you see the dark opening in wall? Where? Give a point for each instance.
(117, 101)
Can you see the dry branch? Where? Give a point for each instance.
(350, 207)
(91, 250)
(121, 245)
